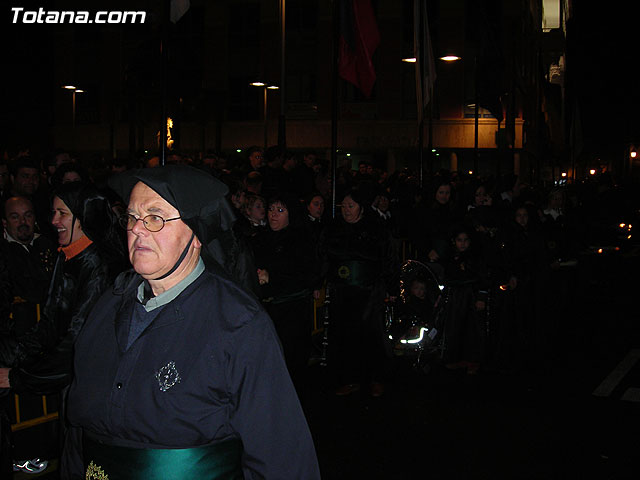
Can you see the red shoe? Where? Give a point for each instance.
(347, 389)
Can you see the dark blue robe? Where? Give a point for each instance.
(207, 369)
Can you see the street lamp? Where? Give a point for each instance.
(264, 87)
(74, 90)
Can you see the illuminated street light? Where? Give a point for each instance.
(592, 171)
(450, 58)
(265, 87)
(409, 60)
(74, 90)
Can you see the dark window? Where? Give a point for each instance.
(244, 24)
(245, 102)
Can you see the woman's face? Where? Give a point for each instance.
(480, 197)
(462, 242)
(443, 194)
(61, 219)
(316, 206)
(256, 211)
(278, 216)
(71, 176)
(522, 217)
(351, 211)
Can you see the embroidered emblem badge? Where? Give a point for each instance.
(343, 271)
(168, 376)
(94, 472)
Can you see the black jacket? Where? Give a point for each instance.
(42, 358)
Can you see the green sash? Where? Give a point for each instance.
(355, 273)
(210, 462)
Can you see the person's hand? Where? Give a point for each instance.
(263, 276)
(4, 377)
(433, 256)
(480, 305)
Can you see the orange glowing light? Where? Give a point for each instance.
(599, 250)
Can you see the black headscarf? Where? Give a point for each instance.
(200, 200)
(93, 210)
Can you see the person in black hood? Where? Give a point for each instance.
(361, 269)
(288, 274)
(178, 371)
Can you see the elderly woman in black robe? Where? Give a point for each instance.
(359, 265)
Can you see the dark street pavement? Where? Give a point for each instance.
(577, 419)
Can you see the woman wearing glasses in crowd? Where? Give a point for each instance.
(288, 273)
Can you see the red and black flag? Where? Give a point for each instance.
(359, 38)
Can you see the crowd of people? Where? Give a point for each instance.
(503, 249)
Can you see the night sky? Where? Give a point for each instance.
(602, 73)
(601, 61)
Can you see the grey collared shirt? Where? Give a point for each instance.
(173, 292)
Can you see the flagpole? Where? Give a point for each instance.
(334, 103)
(164, 45)
(282, 127)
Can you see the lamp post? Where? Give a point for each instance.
(74, 90)
(264, 87)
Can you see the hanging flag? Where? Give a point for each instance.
(178, 9)
(423, 53)
(359, 38)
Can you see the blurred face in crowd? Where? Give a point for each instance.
(418, 289)
(481, 197)
(443, 194)
(316, 207)
(383, 203)
(153, 254)
(20, 219)
(309, 159)
(522, 216)
(462, 242)
(278, 216)
(26, 181)
(256, 159)
(4, 176)
(255, 211)
(556, 199)
(62, 219)
(351, 211)
(238, 199)
(71, 176)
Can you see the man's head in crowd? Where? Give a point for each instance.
(19, 219)
(25, 176)
(256, 157)
(290, 162)
(309, 159)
